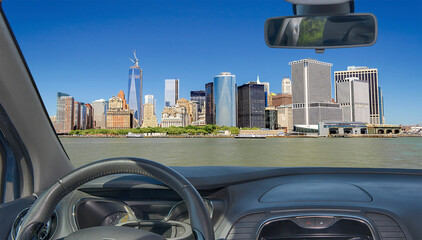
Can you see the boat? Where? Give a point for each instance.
(134, 135)
(250, 136)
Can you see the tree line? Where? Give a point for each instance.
(189, 130)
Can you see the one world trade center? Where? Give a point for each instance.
(134, 97)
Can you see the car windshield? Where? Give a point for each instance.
(192, 83)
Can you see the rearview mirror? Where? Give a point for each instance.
(321, 32)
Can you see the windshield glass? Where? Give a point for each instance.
(192, 83)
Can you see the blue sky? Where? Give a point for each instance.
(82, 47)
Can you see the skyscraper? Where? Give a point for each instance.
(82, 116)
(225, 99)
(381, 100)
(65, 113)
(134, 96)
(150, 120)
(209, 103)
(369, 75)
(89, 116)
(266, 91)
(149, 99)
(286, 86)
(311, 93)
(171, 94)
(100, 113)
(353, 97)
(77, 114)
(199, 97)
(251, 105)
(152, 100)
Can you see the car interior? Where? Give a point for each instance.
(135, 198)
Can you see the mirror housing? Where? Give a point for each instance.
(321, 31)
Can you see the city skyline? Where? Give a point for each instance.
(311, 91)
(99, 66)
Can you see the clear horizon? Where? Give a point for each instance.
(82, 48)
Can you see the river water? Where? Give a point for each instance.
(277, 152)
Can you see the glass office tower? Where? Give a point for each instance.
(209, 103)
(171, 94)
(199, 97)
(100, 113)
(134, 96)
(225, 99)
(65, 114)
(251, 105)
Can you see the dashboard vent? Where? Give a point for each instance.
(244, 228)
(386, 226)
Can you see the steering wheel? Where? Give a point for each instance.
(43, 208)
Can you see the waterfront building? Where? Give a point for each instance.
(209, 103)
(191, 110)
(134, 96)
(149, 99)
(225, 99)
(369, 75)
(184, 103)
(383, 129)
(171, 94)
(78, 110)
(83, 114)
(199, 122)
(353, 97)
(152, 100)
(381, 101)
(341, 127)
(150, 120)
(251, 105)
(285, 118)
(286, 86)
(311, 94)
(199, 97)
(124, 104)
(266, 91)
(65, 113)
(118, 114)
(271, 121)
(100, 113)
(281, 99)
(89, 116)
(174, 117)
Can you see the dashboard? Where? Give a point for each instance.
(254, 204)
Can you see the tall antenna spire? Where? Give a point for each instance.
(257, 79)
(136, 61)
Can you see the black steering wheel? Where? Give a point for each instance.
(43, 208)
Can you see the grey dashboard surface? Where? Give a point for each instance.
(390, 193)
(315, 192)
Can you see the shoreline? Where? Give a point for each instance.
(233, 136)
